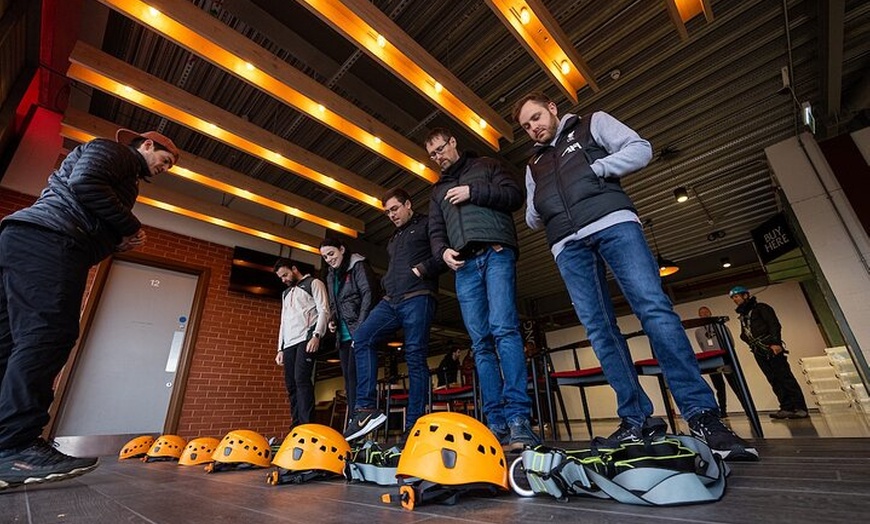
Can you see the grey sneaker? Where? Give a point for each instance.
(707, 427)
(798, 413)
(780, 415)
(521, 435)
(40, 462)
(363, 422)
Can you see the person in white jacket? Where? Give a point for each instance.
(304, 318)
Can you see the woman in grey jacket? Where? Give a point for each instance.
(351, 287)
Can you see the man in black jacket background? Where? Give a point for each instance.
(46, 250)
(410, 287)
(760, 328)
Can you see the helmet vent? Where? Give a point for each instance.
(466, 436)
(449, 437)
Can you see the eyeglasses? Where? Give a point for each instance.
(438, 151)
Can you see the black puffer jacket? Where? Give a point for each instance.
(486, 217)
(354, 299)
(91, 196)
(408, 249)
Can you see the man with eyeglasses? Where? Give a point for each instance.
(472, 229)
(410, 286)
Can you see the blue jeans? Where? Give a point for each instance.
(415, 316)
(486, 289)
(624, 249)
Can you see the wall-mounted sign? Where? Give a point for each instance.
(774, 238)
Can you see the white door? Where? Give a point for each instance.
(126, 370)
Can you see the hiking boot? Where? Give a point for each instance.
(780, 415)
(707, 427)
(521, 435)
(652, 428)
(40, 462)
(363, 422)
(798, 413)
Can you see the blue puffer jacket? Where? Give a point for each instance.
(91, 196)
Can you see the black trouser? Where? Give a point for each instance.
(718, 379)
(299, 379)
(42, 279)
(348, 370)
(785, 386)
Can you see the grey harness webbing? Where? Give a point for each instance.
(370, 463)
(668, 471)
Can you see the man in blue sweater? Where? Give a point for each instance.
(574, 191)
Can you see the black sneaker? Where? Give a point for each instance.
(707, 427)
(363, 422)
(652, 428)
(40, 462)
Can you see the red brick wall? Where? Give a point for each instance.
(233, 381)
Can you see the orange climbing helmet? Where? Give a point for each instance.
(243, 446)
(136, 448)
(198, 451)
(313, 447)
(453, 449)
(166, 447)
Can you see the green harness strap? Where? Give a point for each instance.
(673, 470)
(370, 463)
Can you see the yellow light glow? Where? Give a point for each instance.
(225, 224)
(321, 108)
(544, 40)
(83, 136)
(438, 87)
(482, 123)
(377, 140)
(393, 150)
(525, 16)
(357, 29)
(153, 12)
(79, 72)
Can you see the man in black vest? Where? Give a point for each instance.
(304, 319)
(471, 228)
(574, 191)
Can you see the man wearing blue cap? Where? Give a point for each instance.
(760, 328)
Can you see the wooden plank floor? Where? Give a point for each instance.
(799, 480)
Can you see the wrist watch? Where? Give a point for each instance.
(316, 335)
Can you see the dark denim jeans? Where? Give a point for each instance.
(486, 289)
(415, 316)
(42, 280)
(624, 249)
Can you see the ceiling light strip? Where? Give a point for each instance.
(533, 25)
(226, 218)
(203, 35)
(681, 11)
(83, 127)
(363, 23)
(97, 69)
